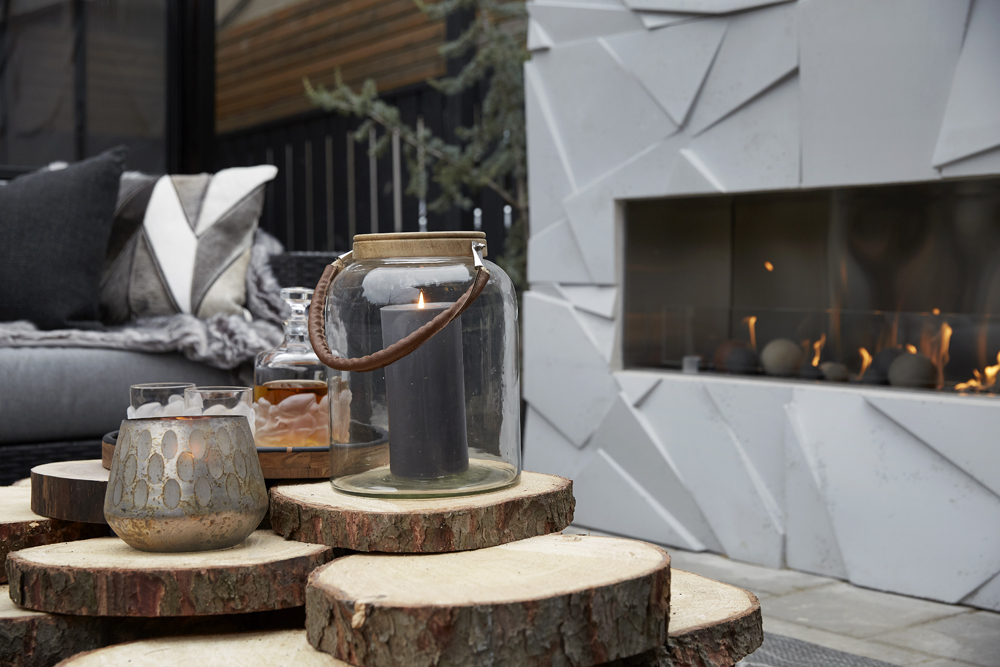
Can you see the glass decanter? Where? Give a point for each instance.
(293, 389)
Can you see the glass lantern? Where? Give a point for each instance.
(428, 339)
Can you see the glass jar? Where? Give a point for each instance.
(292, 388)
(450, 403)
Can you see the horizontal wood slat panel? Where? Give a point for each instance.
(260, 64)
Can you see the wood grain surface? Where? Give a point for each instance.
(70, 490)
(106, 577)
(548, 600)
(21, 528)
(539, 504)
(711, 625)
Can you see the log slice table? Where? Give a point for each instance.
(711, 625)
(106, 577)
(278, 648)
(547, 600)
(539, 504)
(35, 639)
(21, 528)
(701, 611)
(70, 490)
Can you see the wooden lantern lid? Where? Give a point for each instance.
(417, 244)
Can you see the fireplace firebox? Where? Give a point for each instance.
(891, 285)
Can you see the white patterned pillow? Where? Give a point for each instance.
(181, 244)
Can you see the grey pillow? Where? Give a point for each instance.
(54, 228)
(181, 244)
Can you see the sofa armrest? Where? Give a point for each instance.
(301, 269)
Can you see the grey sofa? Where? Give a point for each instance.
(57, 403)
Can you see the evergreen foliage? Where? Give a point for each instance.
(492, 153)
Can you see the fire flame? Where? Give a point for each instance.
(942, 352)
(866, 361)
(769, 266)
(912, 349)
(983, 380)
(420, 301)
(818, 348)
(751, 323)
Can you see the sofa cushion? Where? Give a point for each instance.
(54, 230)
(56, 393)
(181, 244)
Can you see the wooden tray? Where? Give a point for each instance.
(295, 462)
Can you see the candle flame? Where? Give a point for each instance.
(912, 349)
(769, 266)
(420, 301)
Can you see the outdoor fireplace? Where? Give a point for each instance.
(796, 199)
(881, 285)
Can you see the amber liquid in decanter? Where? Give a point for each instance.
(276, 391)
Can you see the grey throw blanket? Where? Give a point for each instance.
(221, 341)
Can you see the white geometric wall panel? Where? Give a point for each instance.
(629, 99)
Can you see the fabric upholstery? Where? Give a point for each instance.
(54, 231)
(52, 394)
(182, 244)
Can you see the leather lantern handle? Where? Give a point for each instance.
(399, 349)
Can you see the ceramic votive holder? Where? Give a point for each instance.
(185, 483)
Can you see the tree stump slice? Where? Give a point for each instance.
(35, 639)
(538, 505)
(287, 648)
(21, 528)
(711, 625)
(560, 600)
(106, 577)
(70, 490)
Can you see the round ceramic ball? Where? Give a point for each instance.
(742, 360)
(723, 351)
(913, 370)
(810, 372)
(834, 371)
(878, 372)
(781, 357)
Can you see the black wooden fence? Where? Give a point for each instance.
(329, 188)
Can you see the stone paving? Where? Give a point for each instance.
(893, 628)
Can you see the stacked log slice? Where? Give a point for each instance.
(552, 599)
(711, 625)
(281, 647)
(21, 528)
(34, 639)
(70, 490)
(106, 577)
(538, 505)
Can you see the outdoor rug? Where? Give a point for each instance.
(778, 651)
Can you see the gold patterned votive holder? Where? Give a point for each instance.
(185, 483)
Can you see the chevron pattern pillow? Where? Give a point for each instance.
(181, 244)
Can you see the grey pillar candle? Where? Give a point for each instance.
(425, 391)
